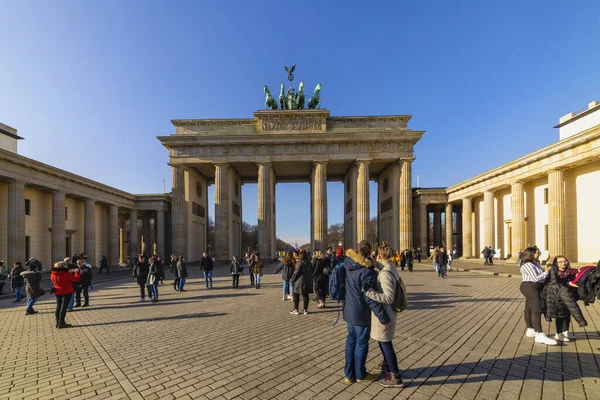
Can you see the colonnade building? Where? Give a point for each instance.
(546, 198)
(48, 213)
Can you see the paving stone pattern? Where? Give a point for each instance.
(460, 338)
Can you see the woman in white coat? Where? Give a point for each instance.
(386, 284)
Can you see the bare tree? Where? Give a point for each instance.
(335, 234)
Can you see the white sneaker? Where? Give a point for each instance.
(530, 332)
(285, 298)
(543, 339)
(305, 312)
(295, 312)
(569, 335)
(561, 337)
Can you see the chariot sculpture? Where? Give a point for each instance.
(292, 100)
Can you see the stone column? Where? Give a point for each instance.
(146, 235)
(488, 219)
(59, 231)
(362, 201)
(133, 236)
(449, 229)
(467, 234)
(222, 209)
(406, 223)
(113, 235)
(178, 234)
(265, 212)
(319, 198)
(437, 226)
(160, 233)
(517, 222)
(89, 231)
(16, 225)
(423, 229)
(556, 213)
(122, 240)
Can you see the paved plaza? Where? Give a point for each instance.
(460, 338)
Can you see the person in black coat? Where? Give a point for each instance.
(173, 268)
(409, 259)
(320, 266)
(32, 288)
(104, 265)
(206, 265)
(182, 272)
(140, 274)
(303, 282)
(16, 281)
(441, 260)
(235, 270)
(287, 270)
(84, 283)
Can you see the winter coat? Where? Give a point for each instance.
(153, 274)
(182, 271)
(86, 277)
(103, 262)
(409, 257)
(160, 270)
(235, 268)
(16, 280)
(441, 258)
(386, 290)
(140, 272)
(257, 267)
(32, 284)
(360, 277)
(303, 278)
(589, 286)
(320, 277)
(63, 279)
(287, 270)
(173, 267)
(206, 264)
(3, 274)
(560, 300)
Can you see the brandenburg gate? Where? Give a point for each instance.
(291, 144)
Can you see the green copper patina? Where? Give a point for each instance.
(270, 102)
(292, 100)
(315, 100)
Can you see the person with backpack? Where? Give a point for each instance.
(353, 280)
(387, 280)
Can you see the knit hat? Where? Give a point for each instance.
(340, 252)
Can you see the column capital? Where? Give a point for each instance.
(264, 163)
(555, 170)
(222, 164)
(320, 162)
(366, 161)
(89, 202)
(407, 159)
(517, 182)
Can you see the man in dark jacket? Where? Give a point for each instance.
(441, 260)
(486, 255)
(360, 277)
(104, 265)
(85, 280)
(206, 265)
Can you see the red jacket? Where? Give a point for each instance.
(63, 280)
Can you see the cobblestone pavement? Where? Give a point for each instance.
(460, 338)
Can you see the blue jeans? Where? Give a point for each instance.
(442, 270)
(181, 283)
(17, 292)
(153, 289)
(208, 278)
(71, 302)
(390, 361)
(257, 279)
(287, 285)
(30, 304)
(357, 349)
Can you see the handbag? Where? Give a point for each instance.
(40, 292)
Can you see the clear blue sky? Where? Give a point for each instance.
(90, 84)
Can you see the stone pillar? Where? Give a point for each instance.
(517, 222)
(146, 235)
(178, 233)
(488, 219)
(59, 231)
(362, 201)
(319, 198)
(16, 225)
(437, 226)
(122, 241)
(406, 223)
(113, 235)
(265, 212)
(133, 236)
(467, 234)
(89, 231)
(222, 209)
(449, 229)
(556, 213)
(160, 234)
(423, 229)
